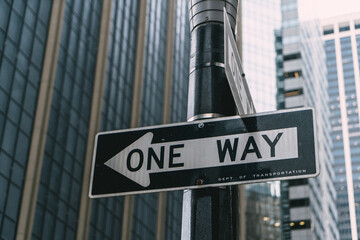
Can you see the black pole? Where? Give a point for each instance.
(209, 213)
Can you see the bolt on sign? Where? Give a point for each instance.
(217, 152)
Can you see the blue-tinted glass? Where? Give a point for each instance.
(117, 88)
(9, 229)
(48, 226)
(29, 101)
(2, 120)
(23, 63)
(17, 176)
(19, 7)
(4, 98)
(12, 207)
(4, 14)
(6, 74)
(30, 19)
(181, 58)
(9, 138)
(34, 75)
(14, 29)
(59, 231)
(41, 31)
(22, 148)
(66, 142)
(14, 112)
(37, 52)
(4, 188)
(70, 234)
(45, 10)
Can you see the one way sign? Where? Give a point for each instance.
(217, 152)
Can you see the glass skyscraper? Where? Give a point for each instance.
(307, 204)
(69, 69)
(341, 36)
(259, 20)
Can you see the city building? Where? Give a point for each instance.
(308, 205)
(69, 69)
(341, 36)
(259, 20)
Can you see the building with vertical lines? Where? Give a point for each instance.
(72, 68)
(69, 69)
(308, 205)
(341, 36)
(259, 19)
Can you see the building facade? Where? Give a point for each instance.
(307, 204)
(259, 19)
(341, 36)
(69, 69)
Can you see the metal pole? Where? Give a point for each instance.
(209, 213)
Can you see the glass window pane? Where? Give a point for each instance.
(12, 204)
(9, 137)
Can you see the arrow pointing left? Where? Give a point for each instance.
(120, 166)
(141, 158)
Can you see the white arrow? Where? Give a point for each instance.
(142, 158)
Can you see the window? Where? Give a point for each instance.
(294, 74)
(292, 56)
(357, 24)
(329, 29)
(344, 27)
(294, 93)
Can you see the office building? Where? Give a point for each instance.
(259, 19)
(307, 204)
(69, 69)
(341, 36)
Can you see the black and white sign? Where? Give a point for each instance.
(234, 72)
(218, 152)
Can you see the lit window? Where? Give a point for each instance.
(302, 223)
(277, 224)
(292, 93)
(292, 224)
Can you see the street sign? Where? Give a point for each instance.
(235, 73)
(222, 151)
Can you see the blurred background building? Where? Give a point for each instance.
(341, 36)
(259, 19)
(308, 205)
